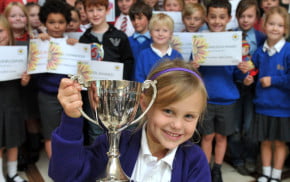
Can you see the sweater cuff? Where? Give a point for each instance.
(70, 128)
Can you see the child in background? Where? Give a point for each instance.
(272, 100)
(173, 5)
(223, 94)
(55, 15)
(12, 125)
(123, 22)
(265, 5)
(161, 30)
(74, 24)
(153, 4)
(192, 1)
(243, 150)
(17, 17)
(85, 23)
(170, 123)
(33, 13)
(140, 15)
(193, 17)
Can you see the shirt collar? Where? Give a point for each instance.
(145, 151)
(146, 35)
(276, 48)
(159, 53)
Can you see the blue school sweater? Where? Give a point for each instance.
(274, 100)
(49, 82)
(137, 47)
(220, 83)
(72, 162)
(147, 59)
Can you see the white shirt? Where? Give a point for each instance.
(148, 168)
(159, 53)
(85, 27)
(276, 48)
(129, 29)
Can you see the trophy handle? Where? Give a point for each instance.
(146, 85)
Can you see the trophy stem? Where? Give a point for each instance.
(114, 171)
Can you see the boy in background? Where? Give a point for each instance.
(140, 15)
(161, 28)
(123, 22)
(85, 24)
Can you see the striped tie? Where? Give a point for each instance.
(124, 24)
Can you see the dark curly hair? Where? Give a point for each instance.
(54, 6)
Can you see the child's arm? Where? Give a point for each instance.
(244, 67)
(44, 36)
(25, 78)
(265, 81)
(248, 80)
(71, 41)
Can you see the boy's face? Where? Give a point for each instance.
(172, 5)
(97, 14)
(33, 17)
(248, 18)
(194, 21)
(83, 14)
(161, 34)
(217, 19)
(140, 24)
(151, 3)
(75, 22)
(125, 5)
(56, 25)
(267, 4)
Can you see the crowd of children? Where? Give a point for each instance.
(240, 107)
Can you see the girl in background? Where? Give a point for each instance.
(12, 126)
(272, 100)
(33, 13)
(173, 5)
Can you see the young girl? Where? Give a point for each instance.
(74, 24)
(17, 16)
(12, 127)
(85, 23)
(55, 15)
(193, 17)
(272, 99)
(153, 4)
(33, 13)
(173, 5)
(171, 122)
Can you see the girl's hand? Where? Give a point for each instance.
(265, 81)
(25, 78)
(69, 96)
(248, 80)
(71, 41)
(194, 64)
(44, 36)
(244, 67)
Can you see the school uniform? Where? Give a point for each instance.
(139, 42)
(72, 162)
(129, 26)
(272, 104)
(148, 58)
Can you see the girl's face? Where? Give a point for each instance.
(75, 22)
(267, 4)
(140, 24)
(172, 125)
(56, 25)
(4, 36)
(17, 18)
(84, 18)
(172, 5)
(274, 28)
(161, 35)
(33, 17)
(190, 1)
(125, 5)
(248, 18)
(194, 21)
(151, 3)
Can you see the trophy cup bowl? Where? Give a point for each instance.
(113, 106)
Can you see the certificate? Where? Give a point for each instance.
(217, 48)
(13, 63)
(100, 70)
(177, 18)
(56, 56)
(182, 42)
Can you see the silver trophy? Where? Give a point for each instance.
(115, 103)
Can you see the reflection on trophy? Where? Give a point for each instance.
(115, 103)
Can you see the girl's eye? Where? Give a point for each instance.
(167, 111)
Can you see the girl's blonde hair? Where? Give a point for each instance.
(283, 13)
(5, 24)
(174, 86)
(161, 19)
(180, 2)
(191, 8)
(23, 8)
